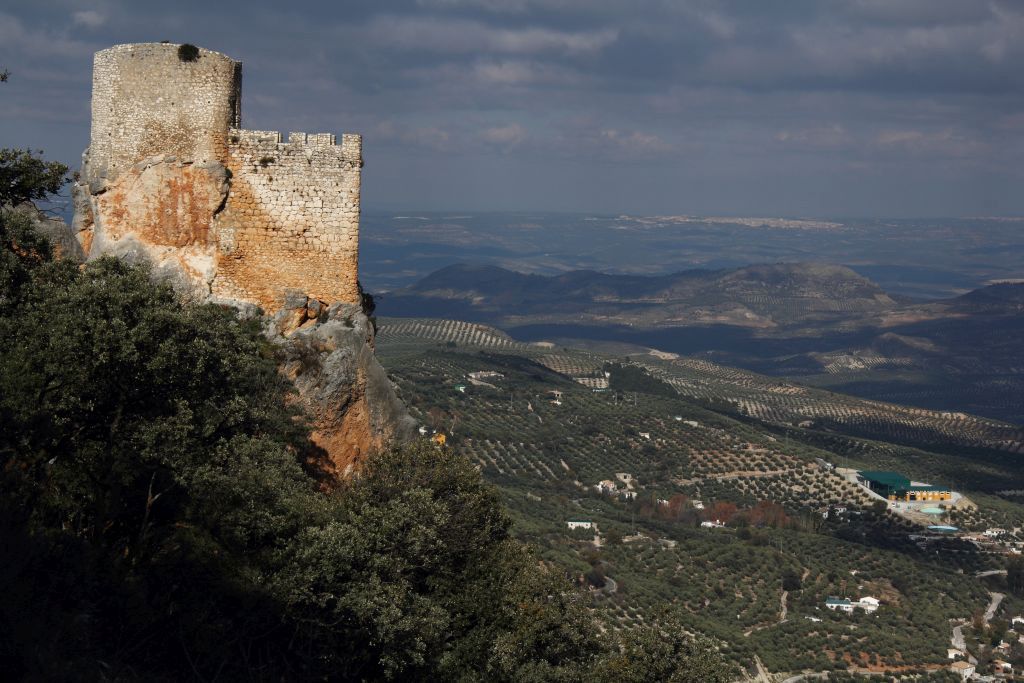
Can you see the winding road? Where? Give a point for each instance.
(990, 611)
(990, 572)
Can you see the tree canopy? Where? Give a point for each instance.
(160, 524)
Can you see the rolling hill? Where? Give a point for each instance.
(824, 325)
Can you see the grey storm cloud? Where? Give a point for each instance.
(825, 107)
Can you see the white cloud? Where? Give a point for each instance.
(633, 144)
(88, 18)
(944, 143)
(508, 136)
(463, 36)
(830, 137)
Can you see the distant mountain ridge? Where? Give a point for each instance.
(759, 296)
(817, 323)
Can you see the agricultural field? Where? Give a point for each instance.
(675, 442)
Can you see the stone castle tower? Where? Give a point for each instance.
(230, 214)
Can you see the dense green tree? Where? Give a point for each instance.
(1015, 575)
(159, 524)
(414, 573)
(26, 177)
(664, 654)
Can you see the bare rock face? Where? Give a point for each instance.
(59, 233)
(159, 211)
(162, 211)
(329, 357)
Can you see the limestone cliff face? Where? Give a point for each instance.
(329, 357)
(59, 233)
(152, 213)
(159, 211)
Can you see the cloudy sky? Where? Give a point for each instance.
(790, 107)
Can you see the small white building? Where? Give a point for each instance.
(606, 486)
(485, 374)
(954, 653)
(965, 669)
(841, 604)
(1016, 621)
(712, 525)
(645, 435)
(994, 532)
(697, 504)
(868, 604)
(580, 524)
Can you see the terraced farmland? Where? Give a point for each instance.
(728, 445)
(771, 400)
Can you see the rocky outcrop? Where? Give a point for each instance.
(57, 232)
(159, 211)
(328, 355)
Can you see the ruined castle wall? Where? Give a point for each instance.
(241, 215)
(146, 101)
(291, 220)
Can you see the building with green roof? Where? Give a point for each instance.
(895, 486)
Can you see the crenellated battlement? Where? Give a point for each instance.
(350, 146)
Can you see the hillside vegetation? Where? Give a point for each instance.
(159, 523)
(632, 444)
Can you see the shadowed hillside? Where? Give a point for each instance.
(822, 324)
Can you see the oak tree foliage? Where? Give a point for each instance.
(158, 523)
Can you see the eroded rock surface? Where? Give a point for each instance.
(329, 357)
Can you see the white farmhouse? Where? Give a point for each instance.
(965, 669)
(868, 604)
(841, 604)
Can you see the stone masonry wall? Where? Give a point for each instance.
(146, 102)
(291, 220)
(231, 214)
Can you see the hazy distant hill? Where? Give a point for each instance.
(1006, 298)
(821, 324)
(761, 296)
